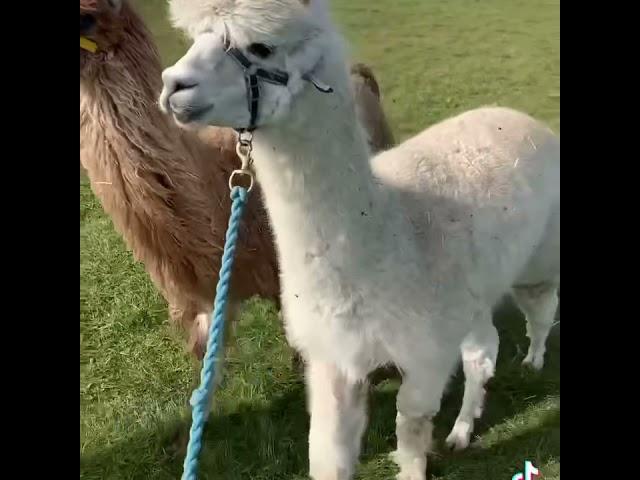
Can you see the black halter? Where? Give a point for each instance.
(252, 73)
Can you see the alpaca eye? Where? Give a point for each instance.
(87, 22)
(260, 50)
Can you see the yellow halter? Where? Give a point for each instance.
(88, 45)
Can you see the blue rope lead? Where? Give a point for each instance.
(201, 395)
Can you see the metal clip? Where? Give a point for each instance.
(244, 146)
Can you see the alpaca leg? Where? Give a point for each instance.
(539, 304)
(417, 403)
(200, 332)
(479, 353)
(338, 419)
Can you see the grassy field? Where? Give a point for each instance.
(432, 59)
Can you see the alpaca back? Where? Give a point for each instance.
(481, 189)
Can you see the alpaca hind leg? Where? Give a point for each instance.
(479, 353)
(338, 419)
(418, 402)
(539, 304)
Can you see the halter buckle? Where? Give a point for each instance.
(241, 172)
(244, 147)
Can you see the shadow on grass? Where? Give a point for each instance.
(269, 441)
(505, 457)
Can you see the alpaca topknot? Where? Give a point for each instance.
(196, 16)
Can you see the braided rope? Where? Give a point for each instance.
(200, 397)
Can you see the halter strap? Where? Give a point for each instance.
(253, 73)
(88, 45)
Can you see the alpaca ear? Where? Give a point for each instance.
(115, 5)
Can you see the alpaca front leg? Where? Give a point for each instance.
(414, 434)
(200, 332)
(417, 403)
(479, 353)
(338, 419)
(200, 335)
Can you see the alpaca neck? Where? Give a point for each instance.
(148, 174)
(315, 174)
(127, 145)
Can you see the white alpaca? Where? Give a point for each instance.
(396, 259)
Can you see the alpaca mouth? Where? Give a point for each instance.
(190, 115)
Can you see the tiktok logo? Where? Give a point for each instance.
(530, 472)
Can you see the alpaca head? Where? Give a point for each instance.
(100, 31)
(238, 44)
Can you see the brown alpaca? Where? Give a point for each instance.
(164, 188)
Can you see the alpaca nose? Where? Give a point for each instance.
(180, 111)
(174, 83)
(181, 85)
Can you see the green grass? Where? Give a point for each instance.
(432, 59)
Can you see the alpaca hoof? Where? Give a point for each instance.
(533, 362)
(297, 364)
(177, 445)
(410, 476)
(340, 474)
(459, 437)
(410, 469)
